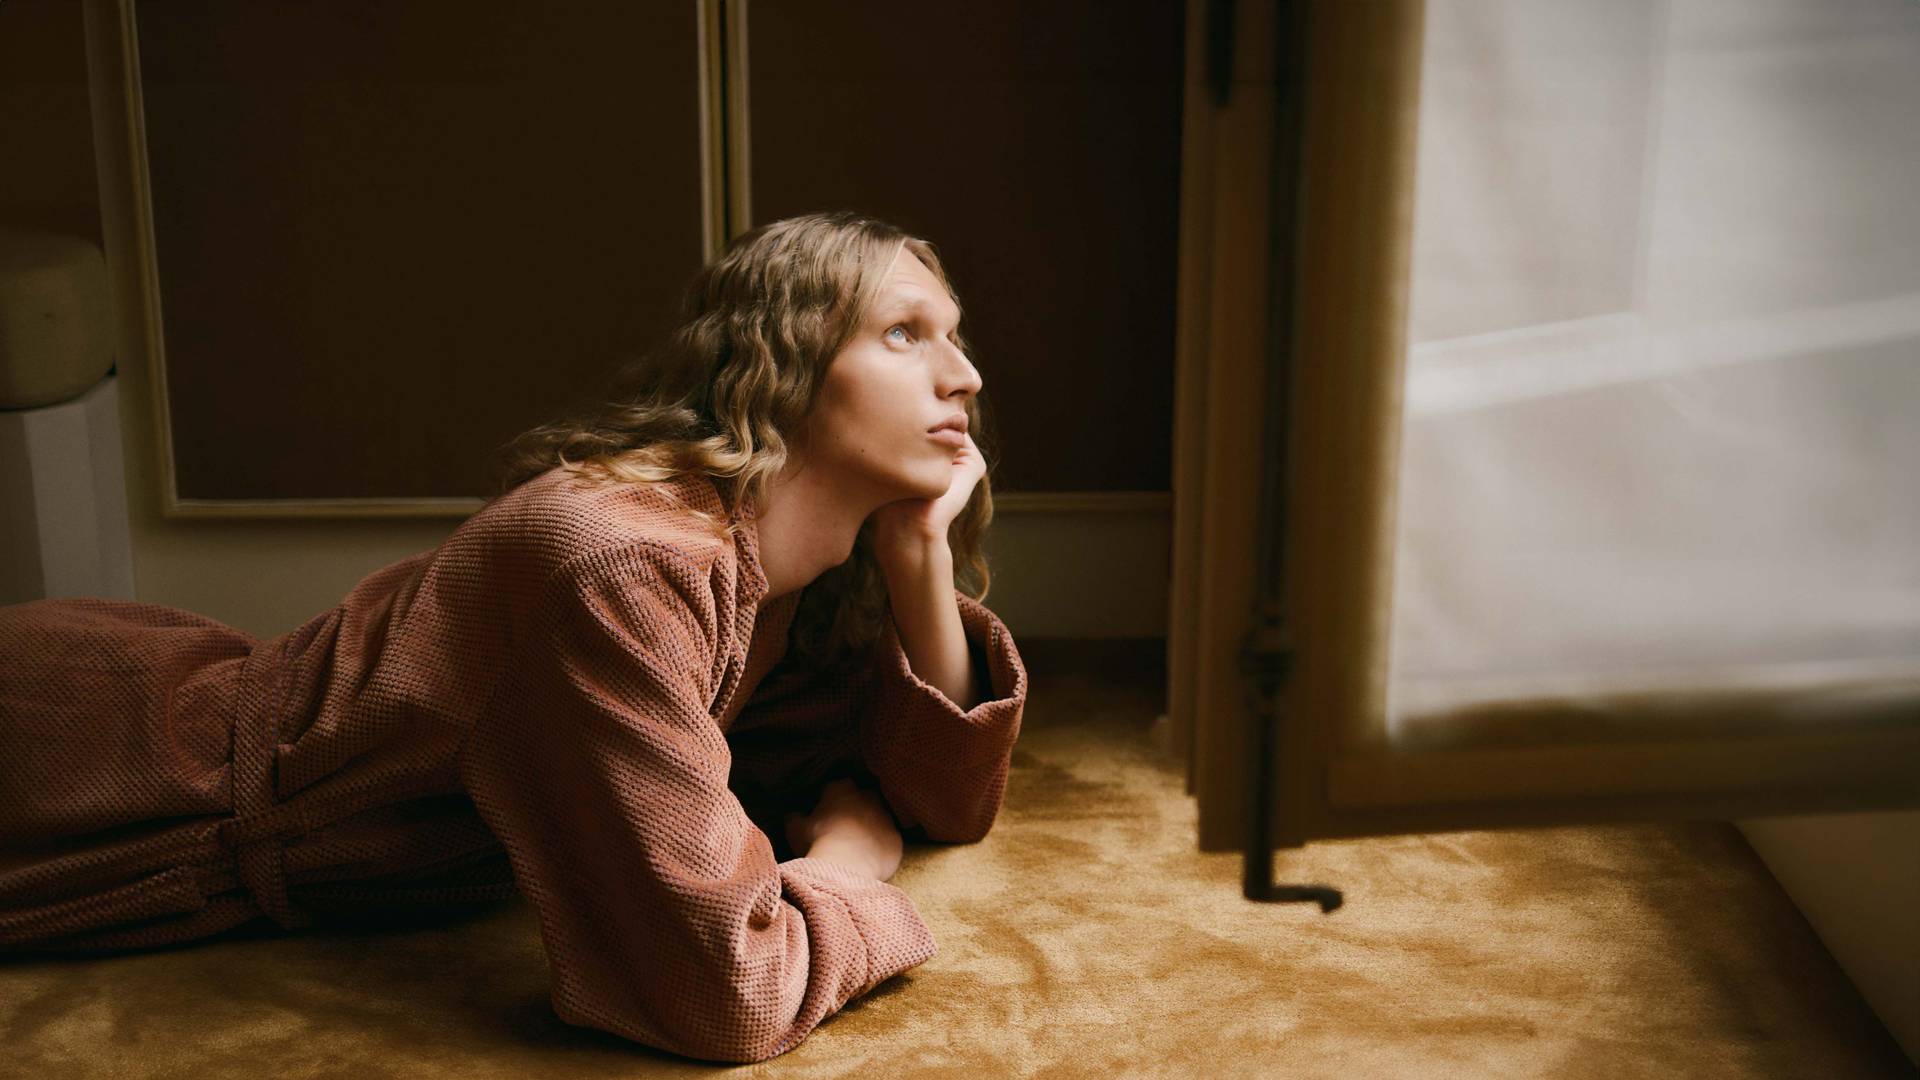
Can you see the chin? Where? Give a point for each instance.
(929, 481)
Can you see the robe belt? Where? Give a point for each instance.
(257, 833)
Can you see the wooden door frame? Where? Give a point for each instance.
(1222, 358)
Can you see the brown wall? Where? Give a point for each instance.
(1038, 147)
(389, 237)
(47, 179)
(392, 236)
(1053, 566)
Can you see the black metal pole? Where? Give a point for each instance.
(1267, 653)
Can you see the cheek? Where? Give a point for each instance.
(847, 422)
(868, 401)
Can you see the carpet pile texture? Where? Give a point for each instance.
(1085, 936)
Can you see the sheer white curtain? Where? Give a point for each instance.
(1662, 413)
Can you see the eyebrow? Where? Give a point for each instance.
(899, 302)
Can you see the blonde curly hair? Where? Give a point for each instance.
(726, 395)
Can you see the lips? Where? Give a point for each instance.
(956, 422)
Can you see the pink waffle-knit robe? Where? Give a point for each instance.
(575, 694)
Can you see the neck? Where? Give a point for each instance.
(809, 526)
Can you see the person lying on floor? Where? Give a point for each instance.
(682, 682)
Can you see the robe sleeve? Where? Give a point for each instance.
(942, 768)
(665, 916)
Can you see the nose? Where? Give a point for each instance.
(961, 375)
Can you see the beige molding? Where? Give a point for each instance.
(1025, 502)
(739, 142)
(331, 509)
(126, 222)
(710, 26)
(725, 146)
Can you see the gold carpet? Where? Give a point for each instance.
(1083, 937)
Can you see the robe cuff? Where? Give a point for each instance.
(910, 719)
(941, 768)
(895, 935)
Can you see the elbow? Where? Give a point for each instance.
(734, 1030)
(716, 1020)
(750, 1040)
(744, 1021)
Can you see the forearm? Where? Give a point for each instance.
(927, 616)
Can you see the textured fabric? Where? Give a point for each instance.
(1089, 939)
(565, 696)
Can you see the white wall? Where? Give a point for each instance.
(1856, 877)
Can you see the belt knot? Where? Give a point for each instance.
(260, 826)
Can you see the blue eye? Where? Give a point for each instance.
(902, 326)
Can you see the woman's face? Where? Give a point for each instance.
(900, 377)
